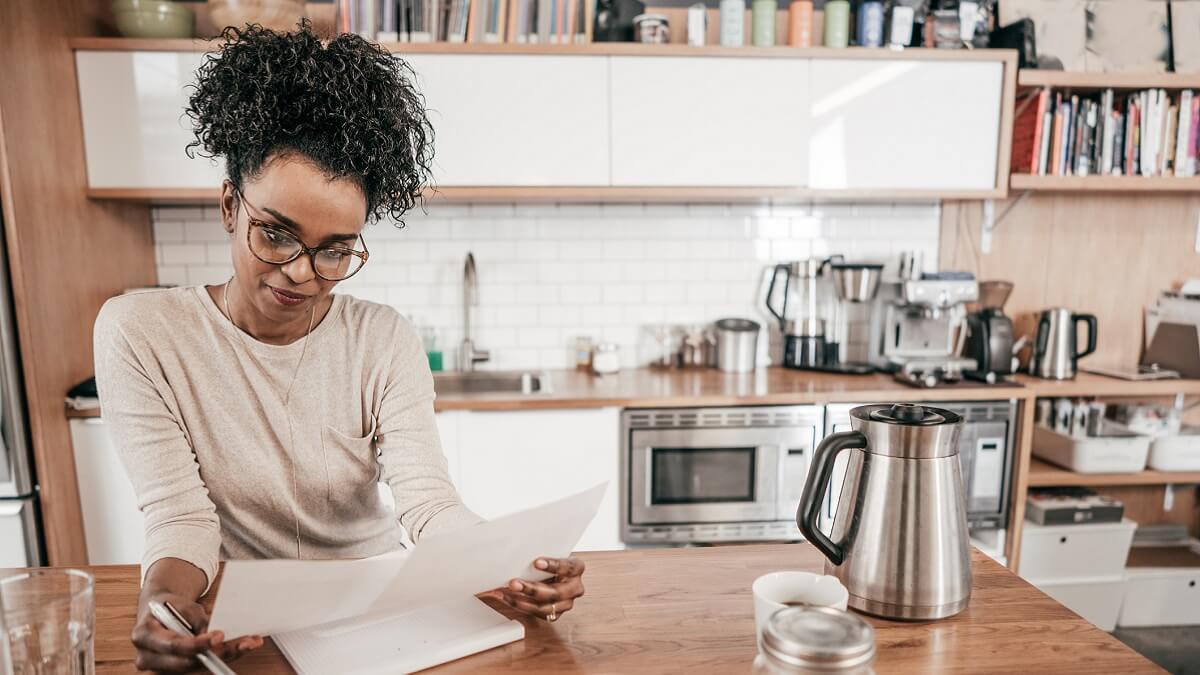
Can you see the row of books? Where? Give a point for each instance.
(518, 21)
(1152, 132)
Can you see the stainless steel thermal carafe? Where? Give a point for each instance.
(899, 537)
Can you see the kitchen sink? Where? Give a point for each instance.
(490, 382)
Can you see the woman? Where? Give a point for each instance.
(257, 418)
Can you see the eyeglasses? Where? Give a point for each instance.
(276, 246)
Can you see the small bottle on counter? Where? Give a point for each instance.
(762, 20)
(606, 359)
(733, 23)
(429, 338)
(583, 352)
(800, 20)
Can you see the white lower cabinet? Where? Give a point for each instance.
(112, 522)
(514, 460)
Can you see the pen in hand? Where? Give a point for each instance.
(169, 617)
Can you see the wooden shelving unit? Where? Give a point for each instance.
(1091, 81)
(1045, 474)
(590, 49)
(599, 194)
(1024, 181)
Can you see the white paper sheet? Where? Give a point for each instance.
(266, 597)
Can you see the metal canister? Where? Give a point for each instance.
(737, 345)
(807, 639)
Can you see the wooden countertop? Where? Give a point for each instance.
(690, 610)
(650, 388)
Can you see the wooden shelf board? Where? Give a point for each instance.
(1045, 474)
(1058, 78)
(502, 194)
(1090, 384)
(1024, 181)
(591, 49)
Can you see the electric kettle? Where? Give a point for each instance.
(1055, 352)
(899, 541)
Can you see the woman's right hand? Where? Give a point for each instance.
(163, 650)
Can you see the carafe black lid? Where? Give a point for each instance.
(912, 414)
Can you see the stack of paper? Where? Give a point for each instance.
(401, 611)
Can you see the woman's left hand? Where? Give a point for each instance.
(550, 598)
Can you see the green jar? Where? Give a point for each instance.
(762, 19)
(837, 23)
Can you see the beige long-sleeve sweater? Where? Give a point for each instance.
(196, 409)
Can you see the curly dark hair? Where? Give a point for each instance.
(347, 106)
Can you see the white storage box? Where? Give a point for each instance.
(1096, 599)
(1165, 594)
(1092, 454)
(1075, 551)
(1176, 453)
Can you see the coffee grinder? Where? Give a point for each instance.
(990, 334)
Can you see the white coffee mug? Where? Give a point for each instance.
(777, 590)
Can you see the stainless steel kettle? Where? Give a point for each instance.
(899, 537)
(1055, 355)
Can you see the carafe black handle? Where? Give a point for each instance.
(1090, 320)
(771, 293)
(815, 487)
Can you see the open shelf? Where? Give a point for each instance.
(1045, 474)
(584, 194)
(1091, 384)
(1059, 78)
(589, 49)
(1024, 181)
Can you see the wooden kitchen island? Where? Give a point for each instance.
(691, 610)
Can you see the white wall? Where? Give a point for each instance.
(550, 272)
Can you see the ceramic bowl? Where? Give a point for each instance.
(153, 19)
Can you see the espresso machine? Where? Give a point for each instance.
(812, 306)
(919, 328)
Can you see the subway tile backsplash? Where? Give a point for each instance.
(548, 273)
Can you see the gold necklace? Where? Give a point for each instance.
(287, 397)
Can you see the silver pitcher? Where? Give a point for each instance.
(1055, 351)
(899, 537)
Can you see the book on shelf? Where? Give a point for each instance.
(1150, 133)
(475, 21)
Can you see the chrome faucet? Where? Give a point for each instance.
(468, 355)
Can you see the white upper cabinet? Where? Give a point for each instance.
(926, 124)
(516, 120)
(904, 125)
(701, 121)
(134, 130)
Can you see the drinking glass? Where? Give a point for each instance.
(50, 618)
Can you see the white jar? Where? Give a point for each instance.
(733, 23)
(606, 359)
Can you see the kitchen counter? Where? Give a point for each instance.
(650, 388)
(690, 610)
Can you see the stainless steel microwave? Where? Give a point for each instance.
(715, 474)
(985, 444)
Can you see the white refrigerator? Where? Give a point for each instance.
(20, 538)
